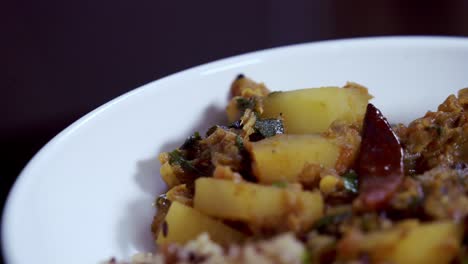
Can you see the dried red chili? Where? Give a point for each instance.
(380, 161)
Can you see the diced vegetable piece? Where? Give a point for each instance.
(167, 171)
(184, 223)
(168, 175)
(283, 157)
(313, 110)
(437, 242)
(254, 203)
(429, 243)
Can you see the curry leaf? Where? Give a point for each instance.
(269, 127)
(176, 157)
(351, 181)
(190, 141)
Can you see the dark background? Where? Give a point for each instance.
(61, 59)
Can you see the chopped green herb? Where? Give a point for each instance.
(306, 257)
(280, 184)
(269, 127)
(351, 181)
(176, 157)
(331, 219)
(190, 141)
(245, 103)
(239, 143)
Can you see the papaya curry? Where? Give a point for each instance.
(316, 176)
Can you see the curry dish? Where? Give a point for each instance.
(316, 176)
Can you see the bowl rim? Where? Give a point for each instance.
(204, 69)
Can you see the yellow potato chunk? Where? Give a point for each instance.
(168, 174)
(436, 242)
(429, 243)
(283, 157)
(184, 223)
(257, 204)
(313, 110)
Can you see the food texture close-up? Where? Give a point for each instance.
(316, 175)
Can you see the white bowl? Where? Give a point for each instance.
(87, 195)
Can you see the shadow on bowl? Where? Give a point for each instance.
(134, 233)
